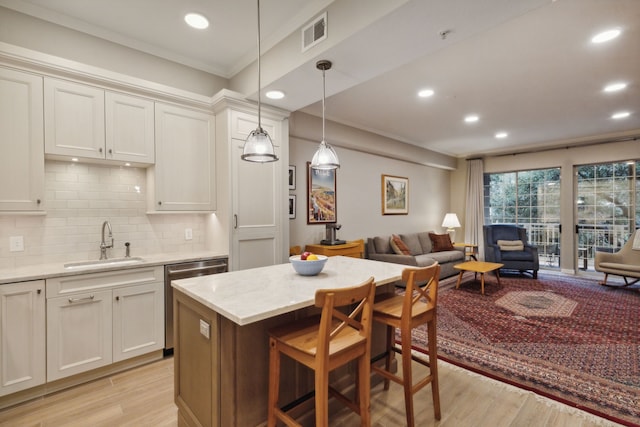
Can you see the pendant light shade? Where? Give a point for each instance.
(325, 157)
(258, 147)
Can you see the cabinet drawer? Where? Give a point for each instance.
(109, 279)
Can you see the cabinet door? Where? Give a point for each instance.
(79, 333)
(256, 192)
(184, 175)
(73, 119)
(129, 128)
(21, 142)
(138, 320)
(22, 336)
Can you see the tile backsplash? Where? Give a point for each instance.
(79, 197)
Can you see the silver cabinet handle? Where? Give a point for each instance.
(235, 221)
(85, 299)
(100, 150)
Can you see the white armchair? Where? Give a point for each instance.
(625, 262)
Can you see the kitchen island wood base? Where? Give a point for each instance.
(223, 380)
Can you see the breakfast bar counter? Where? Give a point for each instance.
(221, 346)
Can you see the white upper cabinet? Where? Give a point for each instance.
(85, 121)
(21, 142)
(183, 178)
(129, 128)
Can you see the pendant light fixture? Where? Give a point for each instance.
(258, 147)
(325, 157)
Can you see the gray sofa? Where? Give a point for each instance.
(421, 255)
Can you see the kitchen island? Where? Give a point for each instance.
(221, 322)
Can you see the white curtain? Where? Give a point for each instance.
(474, 218)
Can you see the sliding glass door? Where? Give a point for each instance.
(530, 199)
(607, 208)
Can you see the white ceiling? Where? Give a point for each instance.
(525, 67)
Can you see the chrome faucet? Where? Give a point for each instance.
(103, 244)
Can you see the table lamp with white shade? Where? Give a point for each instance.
(451, 223)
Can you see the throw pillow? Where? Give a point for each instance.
(398, 245)
(511, 245)
(440, 242)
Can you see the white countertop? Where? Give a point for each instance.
(256, 294)
(45, 271)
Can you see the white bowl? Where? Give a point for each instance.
(308, 267)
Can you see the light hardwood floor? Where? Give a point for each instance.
(144, 397)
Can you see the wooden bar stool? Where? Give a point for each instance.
(416, 307)
(324, 344)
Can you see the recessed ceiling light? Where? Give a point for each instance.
(275, 94)
(501, 135)
(425, 93)
(620, 115)
(196, 20)
(614, 87)
(605, 36)
(472, 118)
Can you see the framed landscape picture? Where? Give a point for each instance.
(395, 195)
(321, 196)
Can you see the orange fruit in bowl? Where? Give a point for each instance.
(312, 257)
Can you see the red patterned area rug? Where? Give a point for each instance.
(562, 337)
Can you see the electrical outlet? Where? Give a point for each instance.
(204, 328)
(188, 234)
(16, 244)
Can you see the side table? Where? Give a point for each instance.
(354, 249)
(470, 250)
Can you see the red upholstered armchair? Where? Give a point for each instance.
(508, 244)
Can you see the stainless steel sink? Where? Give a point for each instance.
(113, 262)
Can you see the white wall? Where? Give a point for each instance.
(359, 204)
(78, 198)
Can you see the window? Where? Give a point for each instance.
(530, 199)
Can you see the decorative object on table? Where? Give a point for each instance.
(623, 263)
(502, 243)
(325, 158)
(292, 177)
(561, 336)
(330, 235)
(450, 222)
(395, 195)
(292, 207)
(321, 196)
(308, 267)
(258, 146)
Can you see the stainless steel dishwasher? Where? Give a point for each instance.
(184, 270)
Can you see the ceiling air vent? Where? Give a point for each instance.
(315, 32)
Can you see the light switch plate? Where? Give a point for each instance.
(16, 244)
(188, 234)
(204, 328)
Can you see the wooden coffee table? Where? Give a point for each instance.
(478, 267)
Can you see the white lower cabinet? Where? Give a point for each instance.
(97, 319)
(138, 320)
(22, 336)
(78, 333)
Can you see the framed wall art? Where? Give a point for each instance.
(321, 196)
(292, 207)
(292, 177)
(395, 195)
